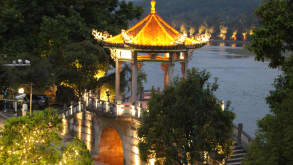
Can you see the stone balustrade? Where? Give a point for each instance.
(241, 136)
(107, 108)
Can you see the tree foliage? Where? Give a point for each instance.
(184, 121)
(273, 38)
(35, 139)
(56, 37)
(273, 144)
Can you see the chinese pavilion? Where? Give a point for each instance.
(151, 39)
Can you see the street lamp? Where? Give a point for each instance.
(21, 90)
(31, 98)
(19, 64)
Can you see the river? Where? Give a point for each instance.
(242, 80)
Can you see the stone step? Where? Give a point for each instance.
(234, 163)
(238, 151)
(235, 160)
(241, 155)
(238, 155)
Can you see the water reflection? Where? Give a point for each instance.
(222, 44)
(227, 43)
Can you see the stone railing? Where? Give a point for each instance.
(241, 136)
(72, 109)
(105, 108)
(115, 110)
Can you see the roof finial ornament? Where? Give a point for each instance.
(153, 5)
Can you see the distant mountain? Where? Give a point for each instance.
(232, 16)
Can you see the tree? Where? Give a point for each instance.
(56, 37)
(274, 138)
(87, 62)
(185, 121)
(35, 139)
(273, 40)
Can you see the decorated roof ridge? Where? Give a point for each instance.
(153, 6)
(129, 46)
(150, 31)
(167, 25)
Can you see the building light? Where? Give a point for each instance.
(89, 135)
(181, 56)
(133, 110)
(167, 55)
(21, 90)
(125, 54)
(136, 153)
(152, 161)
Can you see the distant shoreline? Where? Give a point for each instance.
(228, 43)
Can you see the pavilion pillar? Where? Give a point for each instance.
(134, 71)
(184, 65)
(170, 69)
(117, 80)
(164, 68)
(139, 65)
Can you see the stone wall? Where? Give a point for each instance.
(103, 133)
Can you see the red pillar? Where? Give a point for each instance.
(164, 68)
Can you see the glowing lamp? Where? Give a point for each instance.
(21, 90)
(133, 110)
(152, 161)
(181, 56)
(125, 54)
(167, 55)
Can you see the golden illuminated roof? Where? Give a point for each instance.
(152, 32)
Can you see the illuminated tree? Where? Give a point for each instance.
(184, 122)
(36, 139)
(56, 37)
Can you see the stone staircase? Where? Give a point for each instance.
(237, 156)
(241, 145)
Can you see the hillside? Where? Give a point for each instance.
(227, 15)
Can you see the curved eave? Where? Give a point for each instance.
(148, 48)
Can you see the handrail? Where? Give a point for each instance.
(242, 137)
(93, 104)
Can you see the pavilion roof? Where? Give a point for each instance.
(152, 32)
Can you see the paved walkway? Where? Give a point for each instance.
(4, 116)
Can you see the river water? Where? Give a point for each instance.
(241, 80)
